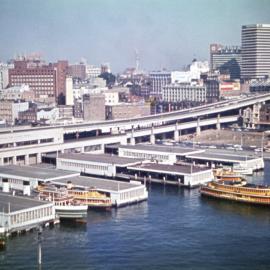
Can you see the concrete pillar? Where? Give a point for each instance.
(97, 132)
(198, 128)
(152, 136)
(132, 139)
(26, 159)
(240, 112)
(14, 160)
(82, 149)
(1, 161)
(38, 158)
(176, 132)
(218, 122)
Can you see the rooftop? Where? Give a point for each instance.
(98, 183)
(102, 158)
(162, 148)
(32, 172)
(171, 169)
(214, 156)
(17, 203)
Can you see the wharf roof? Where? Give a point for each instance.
(221, 157)
(162, 148)
(169, 169)
(17, 203)
(101, 158)
(98, 183)
(32, 172)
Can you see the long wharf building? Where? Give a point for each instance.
(255, 51)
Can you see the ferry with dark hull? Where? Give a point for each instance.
(237, 190)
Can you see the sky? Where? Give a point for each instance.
(166, 33)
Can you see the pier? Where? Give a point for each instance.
(19, 214)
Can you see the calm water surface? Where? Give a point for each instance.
(175, 229)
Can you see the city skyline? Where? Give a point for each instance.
(110, 31)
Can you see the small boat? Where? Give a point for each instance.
(65, 205)
(237, 190)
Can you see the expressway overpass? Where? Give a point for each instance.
(27, 145)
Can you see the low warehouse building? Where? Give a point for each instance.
(95, 164)
(183, 175)
(18, 177)
(22, 213)
(160, 153)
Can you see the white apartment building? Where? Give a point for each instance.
(178, 92)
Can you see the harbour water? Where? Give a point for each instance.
(175, 229)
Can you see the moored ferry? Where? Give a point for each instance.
(65, 205)
(238, 190)
(90, 197)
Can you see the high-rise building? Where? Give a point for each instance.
(61, 74)
(255, 51)
(40, 78)
(48, 81)
(226, 59)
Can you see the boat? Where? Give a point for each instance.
(66, 207)
(90, 197)
(237, 190)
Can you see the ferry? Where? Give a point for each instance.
(89, 196)
(237, 190)
(65, 205)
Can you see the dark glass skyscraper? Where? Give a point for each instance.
(226, 59)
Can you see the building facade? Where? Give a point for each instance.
(9, 110)
(159, 79)
(127, 110)
(255, 51)
(179, 92)
(94, 107)
(226, 59)
(40, 78)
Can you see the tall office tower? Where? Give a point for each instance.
(41, 78)
(46, 80)
(255, 51)
(226, 59)
(159, 79)
(61, 74)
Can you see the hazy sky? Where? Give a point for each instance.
(167, 33)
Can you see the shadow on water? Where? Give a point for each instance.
(73, 226)
(249, 211)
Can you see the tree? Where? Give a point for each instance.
(109, 77)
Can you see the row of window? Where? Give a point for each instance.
(31, 215)
(145, 155)
(132, 194)
(86, 166)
